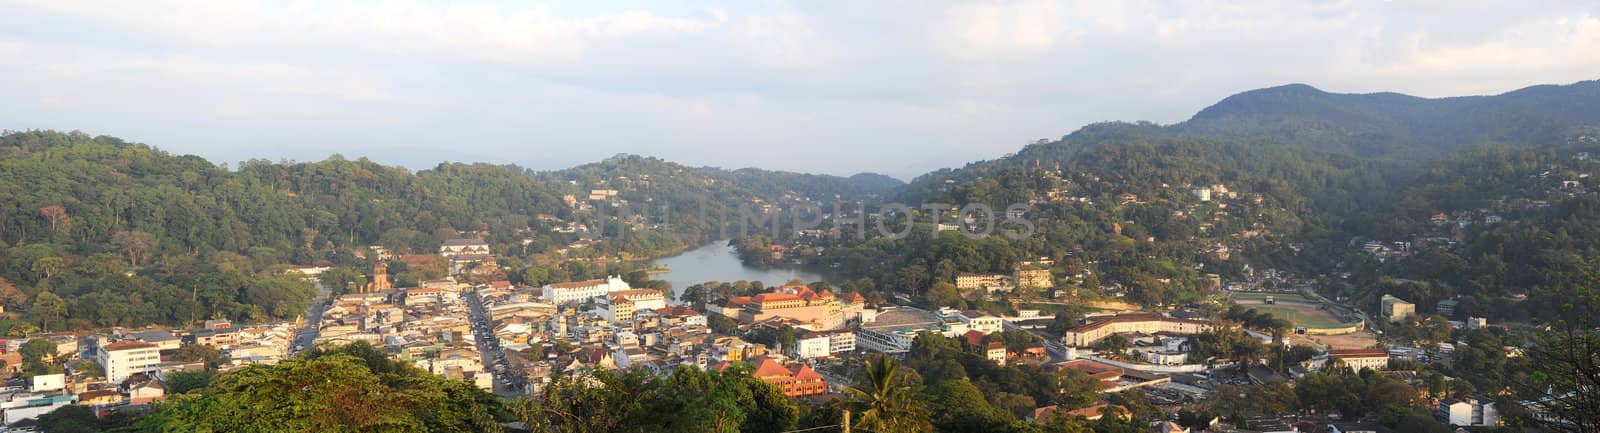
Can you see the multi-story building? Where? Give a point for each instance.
(1358, 359)
(1033, 278)
(818, 310)
(1396, 309)
(989, 282)
(124, 358)
(559, 293)
(798, 381)
(461, 247)
(1148, 323)
(643, 299)
(620, 310)
(980, 321)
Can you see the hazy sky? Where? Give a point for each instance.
(898, 87)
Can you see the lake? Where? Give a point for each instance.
(716, 261)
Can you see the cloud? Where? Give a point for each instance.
(835, 87)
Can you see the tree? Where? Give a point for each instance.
(210, 356)
(944, 294)
(69, 419)
(59, 220)
(46, 267)
(47, 307)
(181, 382)
(38, 357)
(330, 393)
(884, 399)
(136, 244)
(10, 296)
(1567, 378)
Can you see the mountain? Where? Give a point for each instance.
(1306, 173)
(1400, 126)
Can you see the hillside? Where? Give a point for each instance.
(104, 232)
(1304, 172)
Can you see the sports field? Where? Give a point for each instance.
(1300, 316)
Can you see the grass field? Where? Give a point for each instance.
(1250, 297)
(1301, 316)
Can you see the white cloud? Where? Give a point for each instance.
(819, 86)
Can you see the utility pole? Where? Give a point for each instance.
(845, 424)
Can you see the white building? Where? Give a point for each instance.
(459, 247)
(981, 321)
(893, 329)
(810, 345)
(124, 358)
(559, 293)
(1468, 413)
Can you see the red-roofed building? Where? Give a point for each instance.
(1109, 375)
(798, 381)
(799, 303)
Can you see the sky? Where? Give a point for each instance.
(898, 87)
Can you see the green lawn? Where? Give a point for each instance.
(1300, 316)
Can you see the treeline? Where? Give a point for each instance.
(96, 231)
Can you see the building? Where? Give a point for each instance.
(1467, 413)
(1475, 323)
(124, 358)
(1202, 193)
(1033, 278)
(809, 345)
(798, 381)
(981, 321)
(1358, 359)
(1446, 308)
(463, 247)
(995, 351)
(619, 310)
(893, 329)
(643, 299)
(819, 310)
(1396, 309)
(1148, 323)
(990, 282)
(560, 293)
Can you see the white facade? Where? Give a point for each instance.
(124, 358)
(581, 290)
(841, 342)
(811, 346)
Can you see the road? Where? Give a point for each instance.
(505, 385)
(1051, 346)
(307, 335)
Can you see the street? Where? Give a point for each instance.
(311, 325)
(506, 384)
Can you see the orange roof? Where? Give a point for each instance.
(769, 368)
(738, 301)
(1358, 353)
(577, 284)
(775, 297)
(854, 298)
(129, 345)
(806, 373)
(974, 337)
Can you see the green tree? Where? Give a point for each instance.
(329, 393)
(210, 356)
(48, 307)
(884, 399)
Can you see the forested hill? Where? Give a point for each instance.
(1401, 126)
(97, 231)
(1306, 177)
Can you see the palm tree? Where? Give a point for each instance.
(884, 400)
